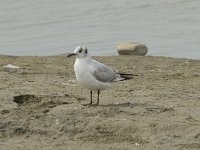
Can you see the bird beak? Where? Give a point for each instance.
(71, 54)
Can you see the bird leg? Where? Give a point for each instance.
(90, 97)
(98, 93)
(90, 104)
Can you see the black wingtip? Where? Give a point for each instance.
(127, 76)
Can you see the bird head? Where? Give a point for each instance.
(80, 52)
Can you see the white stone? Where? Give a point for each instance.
(132, 48)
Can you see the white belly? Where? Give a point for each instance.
(86, 79)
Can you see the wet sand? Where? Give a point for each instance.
(41, 105)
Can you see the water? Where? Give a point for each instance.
(48, 27)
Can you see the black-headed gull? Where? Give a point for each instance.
(92, 74)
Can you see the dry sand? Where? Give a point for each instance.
(41, 106)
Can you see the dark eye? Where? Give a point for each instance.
(86, 51)
(80, 51)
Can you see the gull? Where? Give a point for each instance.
(92, 74)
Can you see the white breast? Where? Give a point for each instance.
(84, 76)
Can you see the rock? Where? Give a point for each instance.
(10, 68)
(131, 48)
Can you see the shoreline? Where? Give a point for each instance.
(41, 105)
(65, 54)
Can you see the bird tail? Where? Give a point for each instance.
(127, 76)
(124, 76)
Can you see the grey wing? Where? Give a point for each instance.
(102, 73)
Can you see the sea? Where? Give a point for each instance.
(169, 28)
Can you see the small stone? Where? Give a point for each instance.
(57, 122)
(137, 144)
(132, 48)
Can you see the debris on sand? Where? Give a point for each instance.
(10, 68)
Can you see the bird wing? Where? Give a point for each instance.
(102, 72)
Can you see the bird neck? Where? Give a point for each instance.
(88, 58)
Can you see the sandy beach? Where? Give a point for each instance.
(41, 105)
